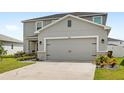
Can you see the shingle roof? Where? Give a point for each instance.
(113, 39)
(63, 14)
(113, 44)
(9, 39)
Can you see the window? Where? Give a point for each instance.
(12, 46)
(97, 19)
(39, 25)
(46, 22)
(69, 23)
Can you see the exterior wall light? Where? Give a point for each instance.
(40, 42)
(103, 41)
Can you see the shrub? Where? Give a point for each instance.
(29, 54)
(2, 51)
(25, 58)
(105, 60)
(102, 60)
(109, 54)
(113, 62)
(23, 54)
(19, 54)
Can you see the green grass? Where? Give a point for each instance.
(10, 63)
(104, 74)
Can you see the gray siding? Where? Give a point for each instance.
(28, 30)
(46, 22)
(79, 28)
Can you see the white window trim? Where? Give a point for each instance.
(36, 25)
(97, 16)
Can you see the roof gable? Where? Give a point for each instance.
(78, 18)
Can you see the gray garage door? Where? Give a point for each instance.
(71, 49)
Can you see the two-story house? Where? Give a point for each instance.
(75, 36)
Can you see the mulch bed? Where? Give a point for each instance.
(108, 67)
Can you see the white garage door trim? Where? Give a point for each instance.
(72, 49)
(81, 37)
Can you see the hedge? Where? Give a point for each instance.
(25, 58)
(8, 56)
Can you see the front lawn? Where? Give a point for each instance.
(11, 63)
(104, 74)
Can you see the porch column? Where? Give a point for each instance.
(29, 47)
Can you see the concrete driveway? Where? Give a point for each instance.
(52, 71)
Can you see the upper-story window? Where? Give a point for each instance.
(39, 25)
(97, 19)
(69, 23)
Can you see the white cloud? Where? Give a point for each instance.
(12, 27)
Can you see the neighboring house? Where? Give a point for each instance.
(10, 44)
(117, 46)
(72, 36)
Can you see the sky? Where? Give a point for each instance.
(10, 23)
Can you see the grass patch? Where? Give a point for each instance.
(11, 63)
(105, 74)
(122, 63)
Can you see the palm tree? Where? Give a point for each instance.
(2, 51)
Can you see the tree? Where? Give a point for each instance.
(2, 51)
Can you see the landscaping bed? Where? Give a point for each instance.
(22, 56)
(111, 74)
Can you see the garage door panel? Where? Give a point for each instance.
(71, 49)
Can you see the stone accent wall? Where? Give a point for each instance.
(41, 55)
